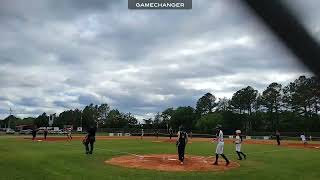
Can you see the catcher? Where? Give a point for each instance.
(181, 143)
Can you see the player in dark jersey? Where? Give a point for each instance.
(45, 133)
(90, 139)
(170, 132)
(181, 143)
(157, 134)
(278, 137)
(34, 133)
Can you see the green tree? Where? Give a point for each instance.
(11, 121)
(103, 111)
(206, 104)
(130, 120)
(299, 95)
(157, 121)
(244, 101)
(148, 123)
(166, 117)
(223, 104)
(90, 115)
(209, 121)
(271, 99)
(185, 116)
(42, 120)
(26, 121)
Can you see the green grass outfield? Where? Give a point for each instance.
(23, 159)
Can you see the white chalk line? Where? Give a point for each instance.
(120, 152)
(204, 158)
(115, 151)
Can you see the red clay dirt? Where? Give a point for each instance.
(300, 145)
(169, 162)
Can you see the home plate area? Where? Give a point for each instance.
(170, 162)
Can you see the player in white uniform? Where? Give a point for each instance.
(238, 142)
(303, 138)
(69, 131)
(220, 145)
(142, 133)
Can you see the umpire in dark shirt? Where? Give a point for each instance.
(34, 133)
(90, 139)
(278, 137)
(181, 143)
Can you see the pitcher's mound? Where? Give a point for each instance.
(169, 162)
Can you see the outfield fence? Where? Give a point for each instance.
(315, 136)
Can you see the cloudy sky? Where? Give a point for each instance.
(64, 54)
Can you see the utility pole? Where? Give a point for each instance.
(9, 118)
(81, 119)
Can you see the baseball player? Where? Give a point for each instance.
(303, 138)
(220, 145)
(34, 133)
(157, 134)
(90, 139)
(142, 133)
(181, 143)
(278, 137)
(170, 132)
(238, 142)
(45, 133)
(69, 133)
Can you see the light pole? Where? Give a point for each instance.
(9, 118)
(81, 119)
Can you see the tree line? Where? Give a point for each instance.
(92, 115)
(294, 107)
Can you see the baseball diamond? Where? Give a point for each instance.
(142, 158)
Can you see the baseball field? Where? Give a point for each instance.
(21, 158)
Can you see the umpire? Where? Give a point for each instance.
(90, 139)
(34, 133)
(181, 143)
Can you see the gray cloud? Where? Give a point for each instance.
(57, 55)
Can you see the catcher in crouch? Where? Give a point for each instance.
(181, 143)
